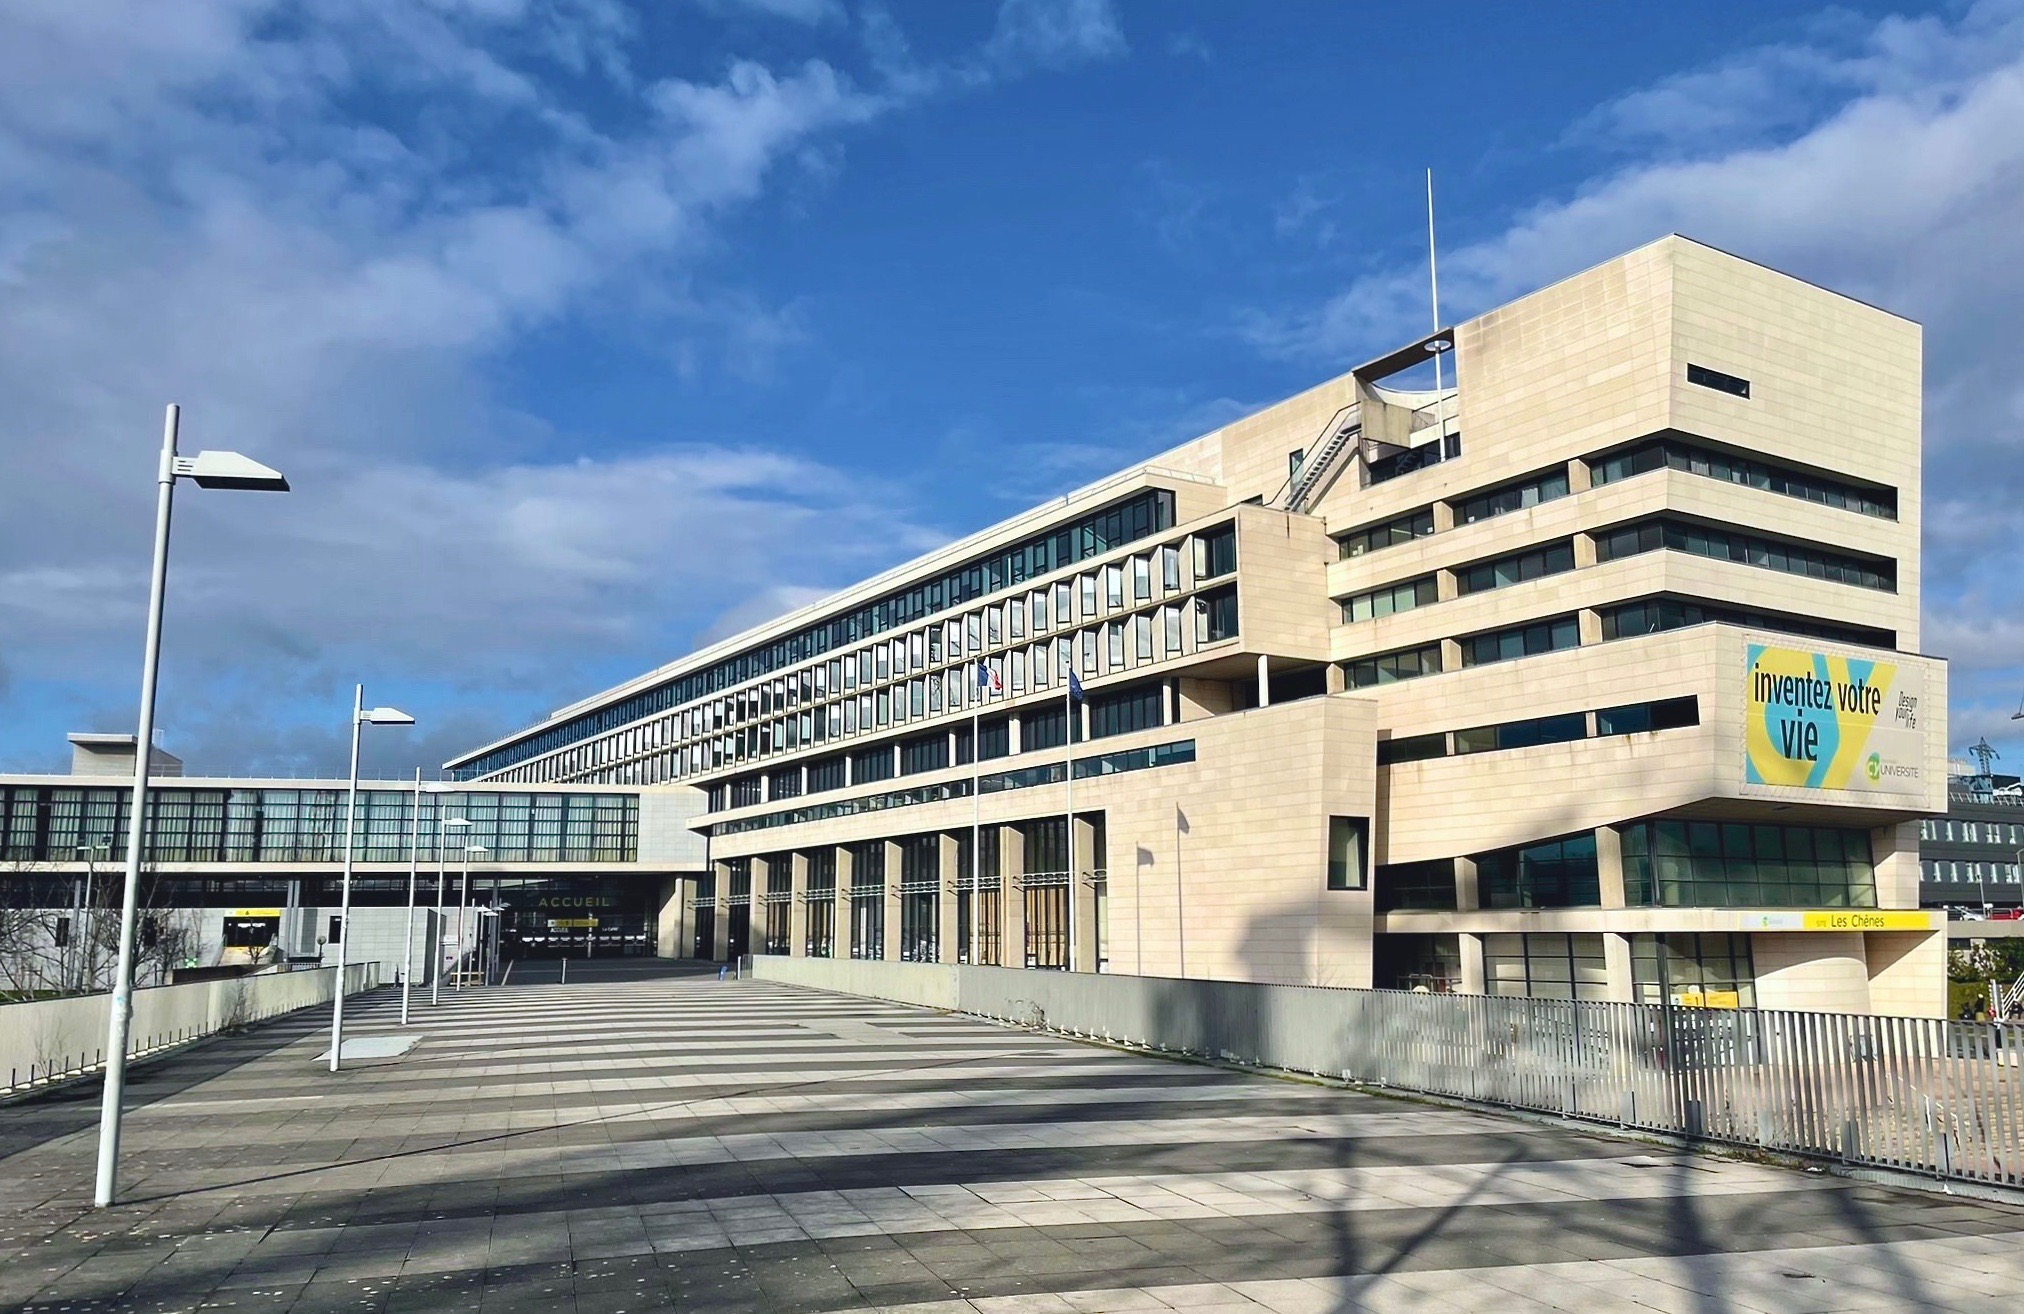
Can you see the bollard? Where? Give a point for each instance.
(723, 971)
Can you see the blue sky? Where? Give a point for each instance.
(588, 331)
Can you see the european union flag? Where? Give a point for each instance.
(1074, 686)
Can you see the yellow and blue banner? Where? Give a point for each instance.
(1823, 720)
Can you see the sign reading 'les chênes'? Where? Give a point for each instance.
(1818, 720)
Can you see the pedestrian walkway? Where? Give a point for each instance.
(638, 1143)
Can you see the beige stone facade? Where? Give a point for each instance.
(1591, 674)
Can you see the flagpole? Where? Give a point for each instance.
(1068, 767)
(976, 832)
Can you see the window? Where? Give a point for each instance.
(1652, 615)
(924, 753)
(336, 935)
(825, 773)
(1671, 453)
(1113, 636)
(1216, 615)
(1386, 668)
(1386, 468)
(1037, 607)
(1142, 579)
(1720, 382)
(1086, 585)
(1556, 873)
(1390, 600)
(995, 737)
(1748, 550)
(1113, 586)
(1552, 635)
(1512, 497)
(1139, 707)
(1411, 748)
(1552, 559)
(1635, 718)
(871, 764)
(1561, 729)
(1707, 864)
(1416, 885)
(1170, 622)
(1347, 838)
(746, 791)
(1142, 638)
(1215, 552)
(1400, 529)
(1043, 728)
(1545, 966)
(1015, 618)
(994, 626)
(1709, 969)
(1170, 568)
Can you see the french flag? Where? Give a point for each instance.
(988, 678)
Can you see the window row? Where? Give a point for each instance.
(1673, 535)
(1102, 531)
(895, 680)
(1102, 764)
(1631, 718)
(1751, 472)
(40, 823)
(1972, 832)
(1133, 707)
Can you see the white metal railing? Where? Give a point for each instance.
(1922, 1095)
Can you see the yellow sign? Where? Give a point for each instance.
(256, 912)
(1844, 919)
(572, 923)
(1708, 999)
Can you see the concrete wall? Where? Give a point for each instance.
(68, 1036)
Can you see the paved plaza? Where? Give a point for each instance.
(637, 1140)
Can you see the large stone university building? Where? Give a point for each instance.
(1592, 674)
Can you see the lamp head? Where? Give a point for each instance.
(385, 716)
(458, 821)
(229, 470)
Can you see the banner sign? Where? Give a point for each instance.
(1844, 919)
(1822, 720)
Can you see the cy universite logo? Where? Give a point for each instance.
(1874, 767)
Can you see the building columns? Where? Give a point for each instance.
(842, 927)
(889, 948)
(1082, 893)
(949, 874)
(797, 904)
(720, 923)
(1012, 895)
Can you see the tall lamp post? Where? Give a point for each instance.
(463, 902)
(361, 716)
(206, 470)
(462, 824)
(414, 870)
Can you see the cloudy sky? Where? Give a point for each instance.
(588, 331)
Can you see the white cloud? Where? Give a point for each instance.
(319, 224)
(197, 209)
(1902, 185)
(1055, 33)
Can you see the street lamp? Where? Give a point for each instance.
(206, 470)
(463, 902)
(462, 823)
(83, 953)
(361, 716)
(414, 865)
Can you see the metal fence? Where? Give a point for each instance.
(1917, 1094)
